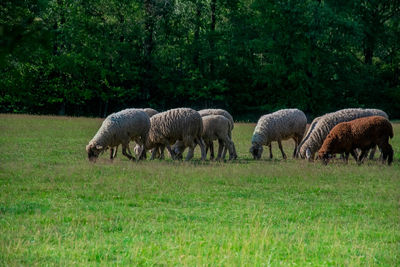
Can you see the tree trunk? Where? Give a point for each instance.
(369, 44)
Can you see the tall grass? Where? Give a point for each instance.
(58, 209)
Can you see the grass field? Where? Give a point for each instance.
(58, 209)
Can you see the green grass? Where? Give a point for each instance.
(58, 209)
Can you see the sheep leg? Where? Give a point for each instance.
(387, 153)
(190, 153)
(112, 153)
(362, 156)
(171, 153)
(223, 155)
(211, 145)
(220, 148)
(270, 150)
(154, 153)
(295, 147)
(227, 149)
(280, 147)
(229, 145)
(162, 148)
(346, 157)
(234, 150)
(141, 143)
(128, 153)
(354, 154)
(143, 156)
(198, 140)
(372, 153)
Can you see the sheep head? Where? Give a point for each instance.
(324, 156)
(256, 150)
(94, 151)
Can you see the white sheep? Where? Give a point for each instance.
(226, 114)
(150, 112)
(215, 127)
(183, 124)
(280, 125)
(119, 128)
(313, 140)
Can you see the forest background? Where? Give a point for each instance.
(94, 57)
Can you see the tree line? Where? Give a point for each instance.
(94, 57)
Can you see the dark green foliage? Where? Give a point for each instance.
(251, 57)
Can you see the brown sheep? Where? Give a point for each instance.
(363, 133)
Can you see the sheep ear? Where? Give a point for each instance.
(98, 147)
(87, 148)
(308, 153)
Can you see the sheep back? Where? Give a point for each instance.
(222, 112)
(280, 125)
(172, 125)
(215, 126)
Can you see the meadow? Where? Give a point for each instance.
(56, 208)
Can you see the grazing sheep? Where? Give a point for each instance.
(280, 125)
(150, 112)
(316, 136)
(205, 112)
(363, 133)
(119, 128)
(215, 127)
(226, 114)
(182, 124)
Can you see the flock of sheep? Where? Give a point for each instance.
(348, 131)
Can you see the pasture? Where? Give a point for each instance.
(56, 208)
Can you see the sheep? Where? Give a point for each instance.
(215, 127)
(226, 114)
(167, 127)
(280, 125)
(119, 128)
(150, 112)
(205, 112)
(316, 135)
(363, 133)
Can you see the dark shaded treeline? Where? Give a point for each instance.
(250, 57)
